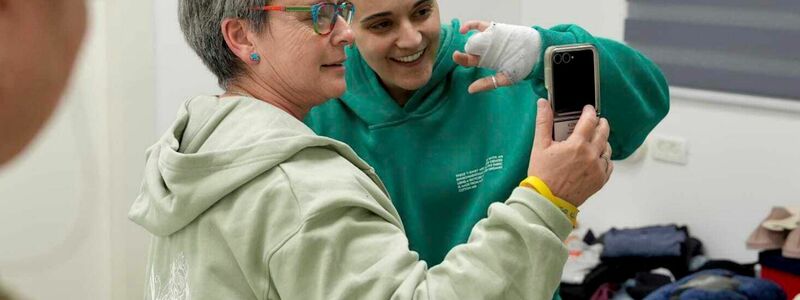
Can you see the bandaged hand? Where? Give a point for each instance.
(510, 50)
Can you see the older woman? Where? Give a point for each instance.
(246, 202)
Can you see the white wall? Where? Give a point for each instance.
(180, 74)
(131, 123)
(602, 18)
(505, 11)
(742, 160)
(64, 203)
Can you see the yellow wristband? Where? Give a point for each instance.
(565, 207)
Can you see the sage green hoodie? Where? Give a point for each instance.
(246, 202)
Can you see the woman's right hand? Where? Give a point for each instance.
(578, 167)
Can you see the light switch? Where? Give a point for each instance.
(670, 149)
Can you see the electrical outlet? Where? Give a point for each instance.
(670, 149)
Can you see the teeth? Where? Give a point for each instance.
(411, 58)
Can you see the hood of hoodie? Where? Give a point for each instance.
(214, 147)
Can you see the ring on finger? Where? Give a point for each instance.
(494, 82)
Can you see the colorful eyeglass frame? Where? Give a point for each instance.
(324, 14)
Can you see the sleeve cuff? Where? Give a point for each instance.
(538, 210)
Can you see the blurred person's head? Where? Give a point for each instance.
(41, 39)
(291, 58)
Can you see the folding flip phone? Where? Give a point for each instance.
(572, 78)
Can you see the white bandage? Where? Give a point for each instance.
(509, 49)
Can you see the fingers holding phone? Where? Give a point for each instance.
(586, 125)
(578, 167)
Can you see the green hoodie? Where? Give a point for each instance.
(246, 202)
(447, 155)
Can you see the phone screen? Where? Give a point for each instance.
(573, 81)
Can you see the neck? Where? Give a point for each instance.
(398, 94)
(265, 93)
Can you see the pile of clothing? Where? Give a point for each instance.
(642, 263)
(719, 284)
(778, 239)
(779, 231)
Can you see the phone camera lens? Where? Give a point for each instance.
(558, 58)
(567, 58)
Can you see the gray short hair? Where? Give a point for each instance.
(201, 22)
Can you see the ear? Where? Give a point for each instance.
(237, 38)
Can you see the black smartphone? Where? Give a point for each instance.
(572, 78)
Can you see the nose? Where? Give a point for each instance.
(409, 37)
(342, 34)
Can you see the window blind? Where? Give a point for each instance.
(739, 46)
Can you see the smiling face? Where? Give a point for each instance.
(399, 39)
(297, 59)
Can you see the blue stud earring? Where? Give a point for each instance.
(255, 57)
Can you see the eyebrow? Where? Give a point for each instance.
(386, 13)
(420, 2)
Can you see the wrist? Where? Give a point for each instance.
(538, 185)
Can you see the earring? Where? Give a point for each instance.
(255, 57)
